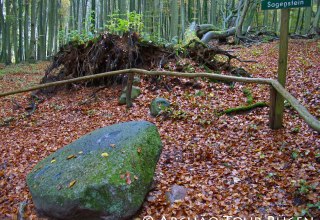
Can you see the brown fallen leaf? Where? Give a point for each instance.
(112, 145)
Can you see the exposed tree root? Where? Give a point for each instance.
(111, 52)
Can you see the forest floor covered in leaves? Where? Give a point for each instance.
(230, 165)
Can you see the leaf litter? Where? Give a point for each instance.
(218, 159)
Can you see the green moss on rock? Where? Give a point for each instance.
(157, 105)
(102, 186)
(136, 91)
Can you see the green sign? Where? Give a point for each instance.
(278, 4)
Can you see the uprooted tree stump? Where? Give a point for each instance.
(109, 52)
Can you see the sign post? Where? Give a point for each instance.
(283, 4)
(277, 101)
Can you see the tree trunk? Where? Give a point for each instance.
(205, 19)
(8, 28)
(51, 24)
(242, 18)
(218, 35)
(84, 16)
(315, 24)
(199, 12)
(122, 9)
(209, 32)
(249, 20)
(26, 30)
(275, 21)
(183, 18)
(300, 21)
(56, 26)
(3, 35)
(15, 31)
(265, 18)
(191, 10)
(307, 20)
(79, 15)
(32, 51)
(174, 11)
(213, 15)
(20, 6)
(93, 16)
(42, 28)
(101, 15)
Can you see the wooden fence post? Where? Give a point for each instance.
(129, 89)
(277, 101)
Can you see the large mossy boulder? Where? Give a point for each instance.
(157, 105)
(103, 175)
(135, 92)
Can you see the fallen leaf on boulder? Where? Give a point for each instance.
(71, 184)
(71, 157)
(105, 155)
(128, 178)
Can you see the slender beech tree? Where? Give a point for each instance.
(43, 30)
(20, 51)
(7, 31)
(191, 10)
(32, 48)
(315, 24)
(213, 14)
(307, 20)
(174, 9)
(3, 35)
(15, 29)
(51, 23)
(205, 19)
(26, 29)
(93, 16)
(183, 18)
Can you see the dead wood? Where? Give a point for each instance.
(111, 52)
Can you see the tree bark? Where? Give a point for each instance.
(218, 35)
(15, 31)
(51, 23)
(3, 35)
(26, 30)
(307, 20)
(213, 15)
(93, 16)
(20, 6)
(42, 28)
(32, 51)
(208, 32)
(315, 24)
(174, 11)
(242, 18)
(7, 33)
